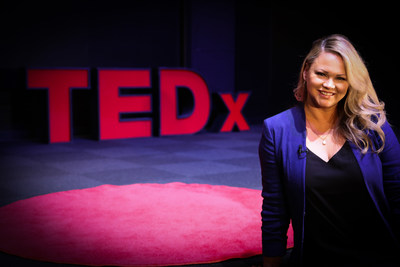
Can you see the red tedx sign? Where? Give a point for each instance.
(156, 105)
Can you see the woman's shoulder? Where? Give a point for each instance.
(287, 117)
(391, 139)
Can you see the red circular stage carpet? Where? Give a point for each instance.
(135, 225)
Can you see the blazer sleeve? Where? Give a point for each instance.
(275, 219)
(390, 158)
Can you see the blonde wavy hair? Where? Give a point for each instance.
(360, 112)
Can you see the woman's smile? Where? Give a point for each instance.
(326, 81)
(326, 93)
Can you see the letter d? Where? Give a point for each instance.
(170, 123)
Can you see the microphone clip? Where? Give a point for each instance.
(302, 153)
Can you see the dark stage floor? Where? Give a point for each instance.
(29, 169)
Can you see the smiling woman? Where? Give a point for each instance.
(326, 79)
(347, 180)
(336, 62)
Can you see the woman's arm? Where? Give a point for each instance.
(390, 158)
(275, 220)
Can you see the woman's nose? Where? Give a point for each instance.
(329, 84)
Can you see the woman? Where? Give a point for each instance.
(331, 165)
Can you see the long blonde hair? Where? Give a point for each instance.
(360, 112)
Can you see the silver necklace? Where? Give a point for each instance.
(320, 136)
(323, 139)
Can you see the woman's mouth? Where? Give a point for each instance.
(325, 93)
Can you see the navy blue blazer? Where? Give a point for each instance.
(283, 163)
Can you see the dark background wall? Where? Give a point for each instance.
(236, 46)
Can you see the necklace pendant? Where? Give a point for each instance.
(323, 142)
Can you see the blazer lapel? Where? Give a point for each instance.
(294, 162)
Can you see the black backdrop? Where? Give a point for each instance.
(236, 46)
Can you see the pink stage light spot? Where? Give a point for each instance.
(136, 225)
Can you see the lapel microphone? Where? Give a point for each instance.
(302, 153)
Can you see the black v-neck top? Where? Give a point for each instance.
(342, 225)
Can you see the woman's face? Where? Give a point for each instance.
(326, 81)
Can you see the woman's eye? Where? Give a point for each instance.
(320, 74)
(341, 78)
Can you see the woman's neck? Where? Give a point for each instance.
(322, 120)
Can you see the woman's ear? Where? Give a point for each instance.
(305, 71)
(305, 74)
